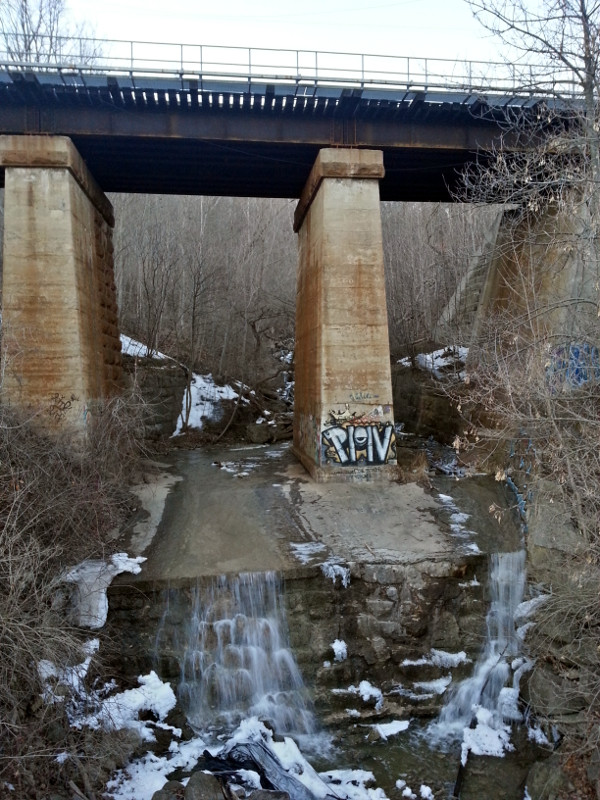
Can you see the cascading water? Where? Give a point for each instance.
(486, 687)
(235, 658)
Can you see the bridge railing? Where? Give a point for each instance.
(306, 69)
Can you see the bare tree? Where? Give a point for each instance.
(198, 285)
(427, 249)
(535, 370)
(41, 31)
(560, 150)
(209, 280)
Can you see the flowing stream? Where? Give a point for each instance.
(236, 660)
(486, 688)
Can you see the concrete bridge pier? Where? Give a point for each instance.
(60, 337)
(343, 418)
(534, 276)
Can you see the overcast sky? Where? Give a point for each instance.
(431, 28)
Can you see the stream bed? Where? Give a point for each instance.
(371, 638)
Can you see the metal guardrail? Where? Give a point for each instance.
(71, 57)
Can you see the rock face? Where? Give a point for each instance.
(161, 385)
(562, 688)
(551, 536)
(547, 781)
(388, 616)
(420, 403)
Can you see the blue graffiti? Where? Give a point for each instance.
(574, 365)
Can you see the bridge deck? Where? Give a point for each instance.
(252, 135)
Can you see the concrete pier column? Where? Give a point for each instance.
(60, 337)
(343, 417)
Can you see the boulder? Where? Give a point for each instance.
(172, 790)
(547, 781)
(203, 786)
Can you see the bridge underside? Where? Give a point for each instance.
(256, 169)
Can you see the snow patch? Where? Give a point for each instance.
(440, 658)
(387, 729)
(140, 779)
(122, 710)
(92, 578)
(487, 738)
(305, 551)
(438, 686)
(72, 677)
(444, 361)
(537, 735)
(527, 608)
(205, 398)
(340, 649)
(366, 691)
(334, 571)
(131, 347)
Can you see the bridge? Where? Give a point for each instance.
(337, 131)
(226, 121)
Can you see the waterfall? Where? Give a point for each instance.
(492, 670)
(235, 658)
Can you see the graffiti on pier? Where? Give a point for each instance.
(363, 397)
(573, 365)
(351, 439)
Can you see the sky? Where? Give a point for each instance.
(424, 28)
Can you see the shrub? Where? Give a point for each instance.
(62, 497)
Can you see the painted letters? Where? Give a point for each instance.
(351, 440)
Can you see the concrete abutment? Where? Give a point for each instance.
(343, 420)
(61, 345)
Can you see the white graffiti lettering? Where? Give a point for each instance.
(354, 444)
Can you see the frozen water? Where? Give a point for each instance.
(479, 708)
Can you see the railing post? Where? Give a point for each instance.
(131, 54)
(181, 58)
(362, 71)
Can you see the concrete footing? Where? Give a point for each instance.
(61, 345)
(343, 420)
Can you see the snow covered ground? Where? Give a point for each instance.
(206, 397)
(146, 775)
(441, 363)
(206, 394)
